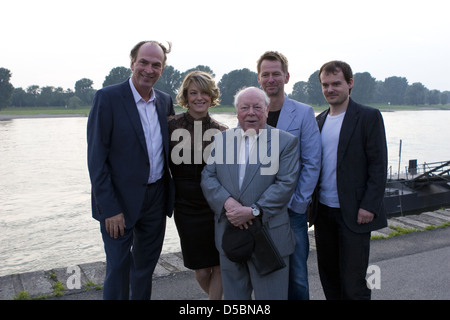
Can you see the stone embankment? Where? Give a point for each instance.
(90, 276)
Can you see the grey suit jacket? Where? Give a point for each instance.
(271, 192)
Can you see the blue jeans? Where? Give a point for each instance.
(298, 274)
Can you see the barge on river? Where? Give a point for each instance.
(422, 188)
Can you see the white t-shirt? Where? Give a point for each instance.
(331, 129)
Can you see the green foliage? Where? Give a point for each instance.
(45, 110)
(6, 88)
(91, 285)
(393, 91)
(314, 90)
(169, 82)
(58, 289)
(84, 90)
(74, 102)
(232, 82)
(300, 91)
(444, 97)
(22, 295)
(117, 75)
(363, 87)
(198, 68)
(415, 94)
(444, 225)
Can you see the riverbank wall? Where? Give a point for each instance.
(45, 284)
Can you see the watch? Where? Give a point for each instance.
(255, 210)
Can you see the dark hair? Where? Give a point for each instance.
(273, 56)
(334, 67)
(134, 51)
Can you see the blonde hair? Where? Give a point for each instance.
(204, 82)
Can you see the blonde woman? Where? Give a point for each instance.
(193, 216)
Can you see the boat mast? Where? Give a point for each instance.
(399, 159)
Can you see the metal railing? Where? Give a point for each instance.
(429, 170)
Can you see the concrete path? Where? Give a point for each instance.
(406, 267)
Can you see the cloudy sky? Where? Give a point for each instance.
(56, 43)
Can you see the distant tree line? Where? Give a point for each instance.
(393, 90)
(367, 90)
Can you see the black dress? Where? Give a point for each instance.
(193, 217)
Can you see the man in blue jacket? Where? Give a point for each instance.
(298, 119)
(128, 156)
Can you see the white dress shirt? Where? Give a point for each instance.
(152, 132)
(248, 141)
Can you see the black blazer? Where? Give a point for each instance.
(117, 153)
(361, 168)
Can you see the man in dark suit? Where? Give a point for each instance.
(128, 156)
(349, 197)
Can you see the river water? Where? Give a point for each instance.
(45, 216)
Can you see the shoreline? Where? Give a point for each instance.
(6, 117)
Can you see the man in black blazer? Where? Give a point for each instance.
(128, 156)
(349, 198)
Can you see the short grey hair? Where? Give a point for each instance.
(243, 90)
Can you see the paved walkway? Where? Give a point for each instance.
(172, 281)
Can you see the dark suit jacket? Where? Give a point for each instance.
(117, 153)
(361, 168)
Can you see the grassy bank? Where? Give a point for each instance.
(43, 110)
(217, 109)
